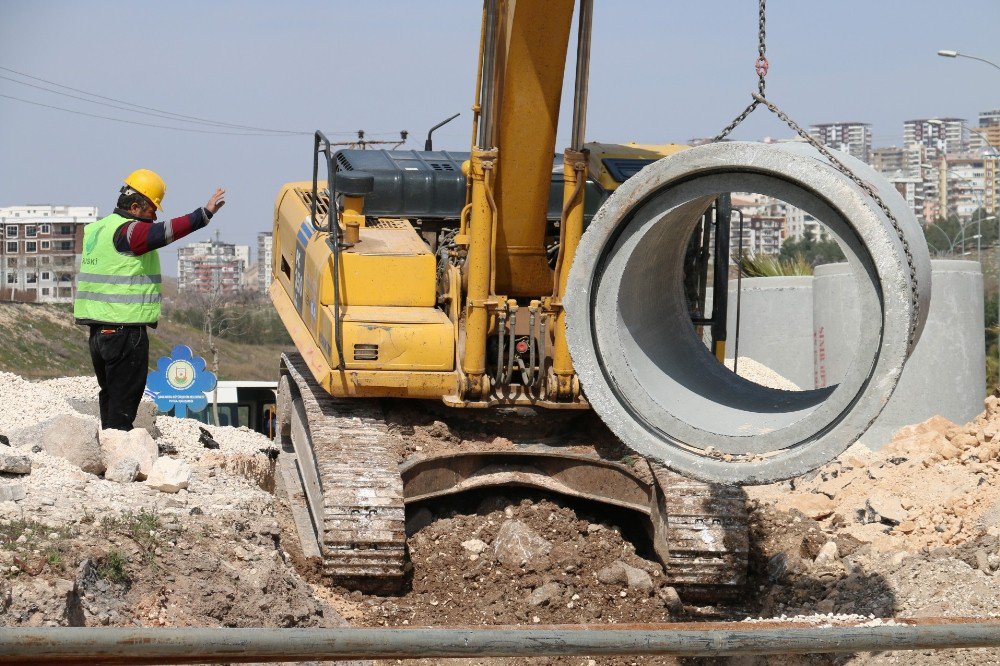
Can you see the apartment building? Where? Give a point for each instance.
(40, 251)
(939, 136)
(985, 139)
(963, 185)
(265, 261)
(889, 160)
(212, 267)
(764, 224)
(848, 137)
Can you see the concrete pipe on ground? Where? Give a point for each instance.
(946, 373)
(652, 380)
(775, 325)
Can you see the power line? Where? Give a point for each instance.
(178, 116)
(125, 108)
(135, 122)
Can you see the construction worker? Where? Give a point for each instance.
(119, 289)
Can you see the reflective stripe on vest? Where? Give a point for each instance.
(113, 287)
(118, 279)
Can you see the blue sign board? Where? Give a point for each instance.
(180, 381)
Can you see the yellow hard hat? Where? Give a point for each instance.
(148, 184)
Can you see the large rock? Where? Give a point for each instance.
(12, 492)
(517, 544)
(475, 546)
(169, 475)
(136, 444)
(545, 594)
(145, 418)
(37, 601)
(15, 464)
(812, 505)
(620, 573)
(74, 438)
(125, 470)
(886, 508)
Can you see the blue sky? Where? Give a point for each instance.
(661, 71)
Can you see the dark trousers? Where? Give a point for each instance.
(121, 359)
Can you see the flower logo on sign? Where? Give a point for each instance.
(180, 382)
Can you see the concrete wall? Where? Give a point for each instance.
(775, 325)
(946, 374)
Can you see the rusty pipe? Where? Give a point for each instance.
(87, 645)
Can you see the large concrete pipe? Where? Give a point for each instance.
(775, 324)
(655, 384)
(946, 373)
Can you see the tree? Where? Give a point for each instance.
(811, 251)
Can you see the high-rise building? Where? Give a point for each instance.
(963, 185)
(890, 160)
(801, 225)
(212, 267)
(991, 179)
(40, 251)
(985, 139)
(763, 224)
(911, 188)
(853, 138)
(265, 260)
(939, 135)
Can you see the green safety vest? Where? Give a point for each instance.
(112, 287)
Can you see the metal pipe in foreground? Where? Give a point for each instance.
(186, 646)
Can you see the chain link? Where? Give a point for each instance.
(761, 46)
(759, 98)
(870, 191)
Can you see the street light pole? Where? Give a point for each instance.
(947, 53)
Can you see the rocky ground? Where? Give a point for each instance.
(193, 535)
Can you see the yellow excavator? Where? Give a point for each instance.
(441, 277)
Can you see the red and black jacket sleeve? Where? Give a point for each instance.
(137, 237)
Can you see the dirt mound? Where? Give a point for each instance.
(936, 484)
(463, 572)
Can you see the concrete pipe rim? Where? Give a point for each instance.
(680, 445)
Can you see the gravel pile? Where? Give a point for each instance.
(758, 373)
(232, 479)
(27, 403)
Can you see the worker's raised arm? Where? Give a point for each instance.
(137, 237)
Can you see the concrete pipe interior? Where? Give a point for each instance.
(669, 379)
(648, 374)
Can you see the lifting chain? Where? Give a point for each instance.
(761, 66)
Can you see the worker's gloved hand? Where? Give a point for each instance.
(217, 201)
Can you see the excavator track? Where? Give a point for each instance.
(353, 490)
(344, 475)
(708, 536)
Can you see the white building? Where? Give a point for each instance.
(849, 137)
(912, 189)
(265, 261)
(212, 267)
(40, 251)
(939, 136)
(763, 224)
(963, 185)
(801, 225)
